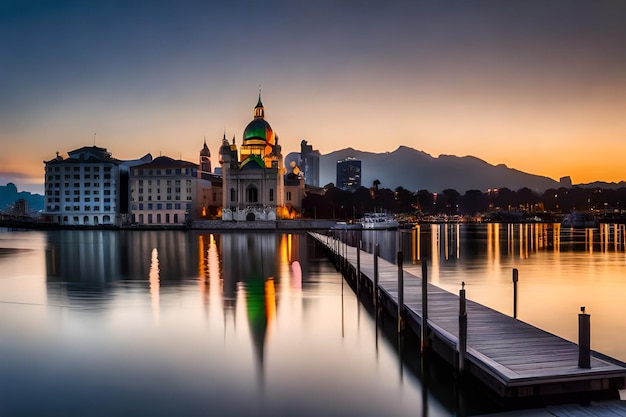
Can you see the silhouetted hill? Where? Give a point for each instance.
(9, 195)
(604, 185)
(417, 170)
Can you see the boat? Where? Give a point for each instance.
(346, 226)
(378, 221)
(579, 219)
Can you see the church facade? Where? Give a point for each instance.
(253, 176)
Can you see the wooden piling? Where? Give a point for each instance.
(358, 267)
(584, 339)
(400, 292)
(424, 330)
(515, 279)
(375, 289)
(462, 347)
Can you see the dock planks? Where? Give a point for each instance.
(513, 358)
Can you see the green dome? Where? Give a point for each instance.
(259, 129)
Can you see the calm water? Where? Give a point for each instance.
(195, 324)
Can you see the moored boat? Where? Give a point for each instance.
(380, 221)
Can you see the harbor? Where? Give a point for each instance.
(513, 359)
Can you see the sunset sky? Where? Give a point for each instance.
(537, 85)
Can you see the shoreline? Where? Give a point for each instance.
(296, 224)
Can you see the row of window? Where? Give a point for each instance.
(78, 169)
(158, 182)
(158, 198)
(176, 171)
(87, 208)
(158, 218)
(161, 206)
(57, 177)
(76, 185)
(78, 199)
(158, 190)
(77, 208)
(252, 195)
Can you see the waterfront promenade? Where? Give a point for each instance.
(512, 358)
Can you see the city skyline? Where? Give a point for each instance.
(538, 87)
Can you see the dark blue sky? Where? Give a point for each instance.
(532, 84)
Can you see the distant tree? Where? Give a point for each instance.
(425, 200)
(448, 201)
(473, 202)
(404, 200)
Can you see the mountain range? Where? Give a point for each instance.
(416, 170)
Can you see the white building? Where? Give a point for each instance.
(83, 189)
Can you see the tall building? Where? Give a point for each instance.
(349, 174)
(252, 178)
(310, 164)
(83, 189)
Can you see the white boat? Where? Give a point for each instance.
(378, 221)
(579, 219)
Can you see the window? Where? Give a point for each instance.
(168, 206)
(140, 206)
(288, 195)
(252, 194)
(271, 194)
(233, 195)
(159, 206)
(150, 205)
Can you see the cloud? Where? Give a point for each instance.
(23, 182)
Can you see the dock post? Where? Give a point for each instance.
(584, 339)
(358, 267)
(400, 292)
(424, 335)
(462, 328)
(375, 289)
(515, 279)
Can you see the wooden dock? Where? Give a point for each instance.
(514, 359)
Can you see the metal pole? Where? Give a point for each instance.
(358, 266)
(375, 289)
(400, 292)
(462, 328)
(515, 279)
(584, 339)
(424, 336)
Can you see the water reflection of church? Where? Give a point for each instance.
(250, 269)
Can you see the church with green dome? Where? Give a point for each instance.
(253, 176)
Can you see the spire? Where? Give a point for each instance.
(259, 112)
(205, 150)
